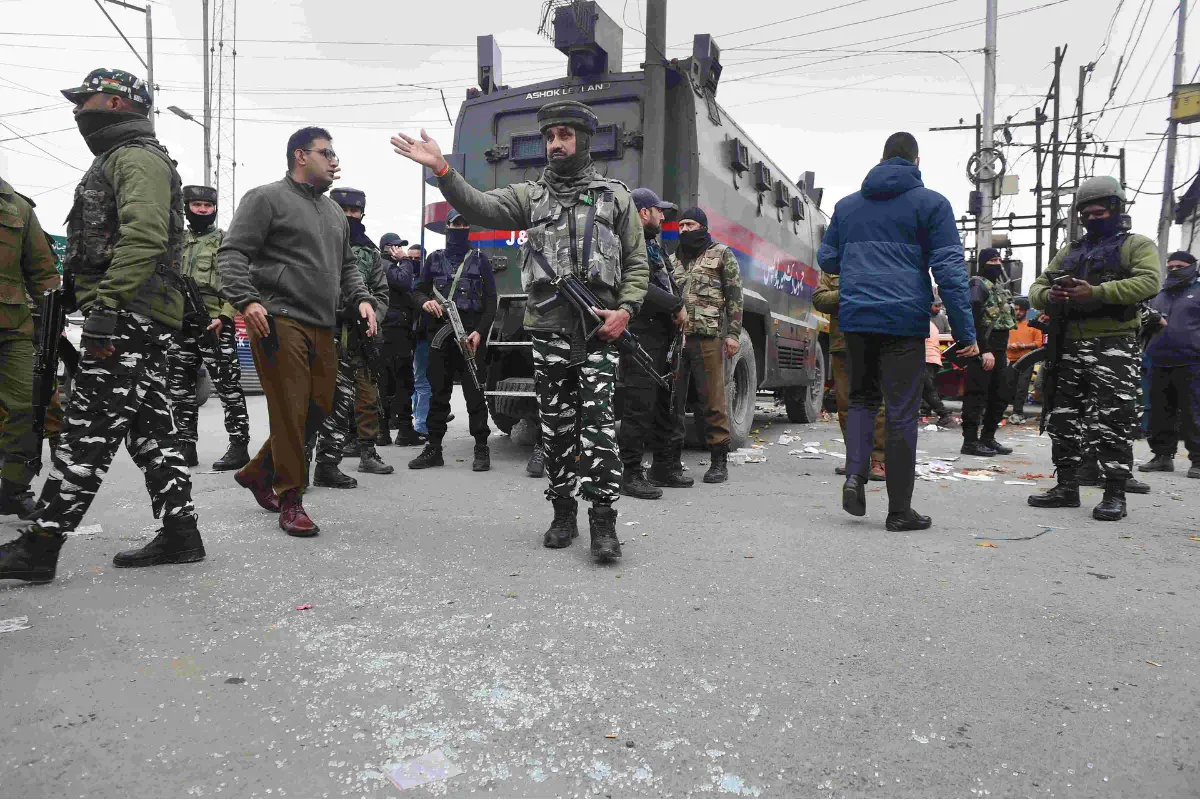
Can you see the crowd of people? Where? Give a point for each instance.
(353, 339)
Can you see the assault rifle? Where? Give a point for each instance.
(1054, 342)
(365, 347)
(195, 313)
(585, 302)
(675, 359)
(460, 336)
(52, 317)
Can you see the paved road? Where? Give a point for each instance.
(754, 641)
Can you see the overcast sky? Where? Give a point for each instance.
(826, 111)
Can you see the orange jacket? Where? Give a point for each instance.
(933, 351)
(1024, 334)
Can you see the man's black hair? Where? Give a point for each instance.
(901, 145)
(1021, 302)
(302, 140)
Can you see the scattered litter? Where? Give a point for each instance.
(843, 441)
(748, 455)
(931, 427)
(976, 475)
(1031, 476)
(630, 524)
(610, 736)
(86, 530)
(1153, 663)
(304, 607)
(785, 439)
(424, 769)
(944, 458)
(14, 624)
(812, 444)
(747, 556)
(1194, 538)
(1044, 530)
(1020, 483)
(986, 544)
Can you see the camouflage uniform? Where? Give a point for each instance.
(987, 391)
(27, 268)
(124, 243)
(190, 349)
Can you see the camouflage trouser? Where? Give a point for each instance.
(355, 400)
(184, 360)
(578, 428)
(123, 396)
(1095, 404)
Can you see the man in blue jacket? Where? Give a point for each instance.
(884, 240)
(1174, 354)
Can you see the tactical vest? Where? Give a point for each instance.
(93, 226)
(569, 244)
(998, 309)
(199, 262)
(469, 295)
(1099, 263)
(704, 292)
(660, 276)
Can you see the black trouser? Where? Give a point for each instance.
(929, 390)
(396, 381)
(1020, 384)
(648, 421)
(986, 396)
(445, 363)
(885, 369)
(1175, 410)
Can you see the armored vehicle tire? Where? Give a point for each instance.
(741, 392)
(803, 403)
(507, 411)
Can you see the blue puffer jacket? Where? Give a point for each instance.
(883, 241)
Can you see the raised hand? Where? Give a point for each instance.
(424, 151)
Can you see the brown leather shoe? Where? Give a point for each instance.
(878, 471)
(261, 489)
(293, 519)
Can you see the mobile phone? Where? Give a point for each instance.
(1063, 280)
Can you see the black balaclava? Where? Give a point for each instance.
(1109, 226)
(358, 234)
(93, 120)
(695, 242)
(458, 242)
(199, 223)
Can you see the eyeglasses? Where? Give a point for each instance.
(1100, 214)
(325, 151)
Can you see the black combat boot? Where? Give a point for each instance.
(483, 458)
(1112, 505)
(1134, 486)
(908, 520)
(352, 449)
(854, 495)
(669, 472)
(1162, 462)
(431, 456)
(536, 467)
(990, 441)
(236, 457)
(634, 484)
(718, 465)
(1064, 495)
(1088, 474)
(370, 461)
(603, 523)
(16, 499)
(33, 556)
(331, 477)
(384, 437)
(974, 447)
(188, 449)
(406, 436)
(178, 542)
(565, 525)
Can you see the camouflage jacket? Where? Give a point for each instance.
(200, 263)
(994, 312)
(712, 292)
(125, 230)
(825, 300)
(27, 264)
(616, 268)
(370, 266)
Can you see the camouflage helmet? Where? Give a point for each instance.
(567, 112)
(206, 194)
(112, 81)
(349, 198)
(1098, 189)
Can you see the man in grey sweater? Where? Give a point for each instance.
(284, 263)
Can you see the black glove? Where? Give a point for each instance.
(98, 329)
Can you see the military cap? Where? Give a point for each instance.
(349, 198)
(206, 193)
(112, 81)
(454, 216)
(567, 112)
(392, 238)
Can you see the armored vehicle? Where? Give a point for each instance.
(661, 127)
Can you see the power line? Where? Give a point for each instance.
(785, 21)
(32, 135)
(855, 24)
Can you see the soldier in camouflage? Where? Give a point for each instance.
(988, 386)
(200, 245)
(124, 244)
(27, 268)
(1095, 284)
(568, 208)
(356, 395)
(711, 281)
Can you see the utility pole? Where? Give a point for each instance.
(1074, 218)
(987, 174)
(149, 50)
(654, 125)
(1055, 151)
(1168, 201)
(207, 99)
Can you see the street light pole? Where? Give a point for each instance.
(987, 174)
(1168, 202)
(207, 100)
(179, 112)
